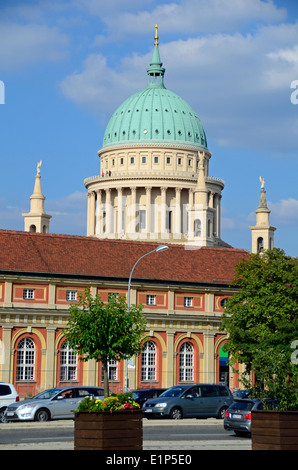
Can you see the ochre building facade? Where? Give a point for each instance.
(42, 274)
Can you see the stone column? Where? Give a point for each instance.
(177, 216)
(88, 214)
(99, 228)
(7, 294)
(5, 354)
(91, 372)
(91, 213)
(50, 358)
(209, 369)
(163, 209)
(171, 359)
(132, 212)
(52, 295)
(108, 213)
(148, 210)
(217, 216)
(190, 215)
(119, 215)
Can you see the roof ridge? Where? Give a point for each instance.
(112, 258)
(122, 241)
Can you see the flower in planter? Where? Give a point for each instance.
(121, 402)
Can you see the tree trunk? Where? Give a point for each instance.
(105, 378)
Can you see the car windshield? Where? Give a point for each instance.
(136, 394)
(241, 393)
(173, 392)
(242, 405)
(47, 394)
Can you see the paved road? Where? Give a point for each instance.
(163, 435)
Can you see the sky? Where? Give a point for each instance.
(66, 65)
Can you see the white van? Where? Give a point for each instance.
(8, 395)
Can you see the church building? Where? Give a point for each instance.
(153, 190)
(154, 182)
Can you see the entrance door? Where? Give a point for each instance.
(223, 366)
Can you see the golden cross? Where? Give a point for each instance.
(156, 36)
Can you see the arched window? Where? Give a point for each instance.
(68, 363)
(197, 228)
(148, 370)
(112, 370)
(186, 362)
(209, 228)
(32, 228)
(25, 359)
(260, 245)
(223, 366)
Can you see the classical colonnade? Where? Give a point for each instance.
(151, 211)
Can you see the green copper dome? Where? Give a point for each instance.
(155, 115)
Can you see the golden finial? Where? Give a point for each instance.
(156, 36)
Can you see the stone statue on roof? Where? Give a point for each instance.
(38, 166)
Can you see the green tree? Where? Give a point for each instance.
(105, 331)
(261, 319)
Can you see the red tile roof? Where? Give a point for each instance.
(89, 256)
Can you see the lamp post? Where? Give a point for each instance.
(157, 250)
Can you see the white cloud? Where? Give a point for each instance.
(193, 16)
(72, 203)
(228, 223)
(283, 216)
(288, 55)
(237, 83)
(99, 87)
(284, 212)
(10, 216)
(69, 214)
(112, 7)
(24, 44)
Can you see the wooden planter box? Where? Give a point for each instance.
(116, 430)
(274, 430)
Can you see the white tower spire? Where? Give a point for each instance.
(262, 232)
(37, 220)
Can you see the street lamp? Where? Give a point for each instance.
(157, 250)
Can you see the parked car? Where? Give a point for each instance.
(238, 415)
(56, 403)
(190, 401)
(142, 395)
(8, 395)
(241, 394)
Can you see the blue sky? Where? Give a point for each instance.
(68, 64)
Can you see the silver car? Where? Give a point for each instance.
(238, 416)
(56, 403)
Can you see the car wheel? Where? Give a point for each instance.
(3, 419)
(221, 413)
(42, 415)
(176, 413)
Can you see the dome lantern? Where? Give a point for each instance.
(156, 71)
